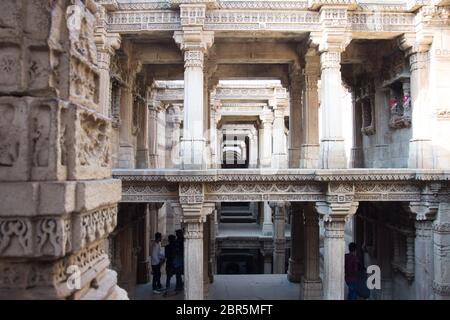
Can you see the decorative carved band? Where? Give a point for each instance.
(193, 58)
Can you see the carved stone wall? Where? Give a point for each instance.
(58, 201)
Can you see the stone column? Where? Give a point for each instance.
(267, 228)
(279, 139)
(142, 154)
(213, 135)
(194, 216)
(279, 238)
(295, 116)
(309, 158)
(58, 201)
(194, 42)
(423, 213)
(384, 252)
(193, 253)
(126, 150)
(267, 254)
(332, 146)
(265, 142)
(154, 107)
(441, 241)
(106, 44)
(154, 217)
(420, 146)
(175, 118)
(126, 146)
(311, 286)
(295, 268)
(253, 158)
(334, 216)
(357, 160)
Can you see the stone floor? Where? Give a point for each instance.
(234, 287)
(253, 287)
(145, 292)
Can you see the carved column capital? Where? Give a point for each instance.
(194, 39)
(336, 211)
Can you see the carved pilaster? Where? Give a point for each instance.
(331, 44)
(335, 213)
(194, 42)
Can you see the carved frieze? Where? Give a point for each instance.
(93, 226)
(191, 193)
(24, 237)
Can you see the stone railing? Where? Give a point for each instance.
(280, 185)
(264, 15)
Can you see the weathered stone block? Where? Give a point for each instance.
(14, 143)
(57, 198)
(89, 154)
(47, 144)
(18, 199)
(10, 67)
(94, 194)
(30, 142)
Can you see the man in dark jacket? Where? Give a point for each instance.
(179, 259)
(169, 253)
(351, 271)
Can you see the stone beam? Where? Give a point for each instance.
(236, 52)
(253, 71)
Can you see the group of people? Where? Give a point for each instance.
(172, 256)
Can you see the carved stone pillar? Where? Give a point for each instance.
(295, 267)
(213, 135)
(175, 120)
(194, 215)
(265, 142)
(423, 213)
(194, 42)
(193, 253)
(441, 241)
(334, 215)
(310, 121)
(279, 238)
(357, 160)
(54, 155)
(154, 108)
(267, 254)
(295, 117)
(332, 144)
(384, 252)
(142, 152)
(311, 286)
(332, 41)
(279, 139)
(420, 146)
(253, 158)
(106, 44)
(267, 228)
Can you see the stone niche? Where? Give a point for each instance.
(30, 139)
(366, 101)
(87, 144)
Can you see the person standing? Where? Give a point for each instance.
(179, 259)
(157, 259)
(351, 271)
(169, 253)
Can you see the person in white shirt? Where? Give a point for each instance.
(157, 259)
